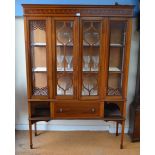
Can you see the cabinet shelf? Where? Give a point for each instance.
(38, 44)
(71, 45)
(40, 118)
(61, 45)
(39, 69)
(70, 72)
(90, 72)
(116, 45)
(118, 118)
(85, 45)
(114, 70)
(111, 110)
(62, 70)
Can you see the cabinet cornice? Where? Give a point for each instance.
(73, 10)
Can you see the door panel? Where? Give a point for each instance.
(65, 57)
(117, 45)
(91, 30)
(38, 54)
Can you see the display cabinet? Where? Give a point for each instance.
(77, 60)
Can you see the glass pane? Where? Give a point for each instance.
(64, 60)
(38, 33)
(114, 84)
(117, 45)
(90, 85)
(64, 84)
(116, 57)
(40, 84)
(90, 64)
(38, 57)
(117, 32)
(64, 54)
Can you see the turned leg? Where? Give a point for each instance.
(30, 134)
(122, 134)
(35, 129)
(117, 123)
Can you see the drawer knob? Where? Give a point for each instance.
(60, 110)
(93, 109)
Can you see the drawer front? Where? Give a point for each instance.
(76, 110)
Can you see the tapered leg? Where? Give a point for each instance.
(122, 134)
(30, 134)
(35, 129)
(117, 123)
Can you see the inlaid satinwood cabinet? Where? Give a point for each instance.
(77, 60)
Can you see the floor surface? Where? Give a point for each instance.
(74, 143)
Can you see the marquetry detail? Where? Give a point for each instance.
(78, 10)
(107, 12)
(50, 11)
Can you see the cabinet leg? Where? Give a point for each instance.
(30, 134)
(35, 129)
(122, 135)
(117, 123)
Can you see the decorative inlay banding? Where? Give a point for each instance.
(81, 11)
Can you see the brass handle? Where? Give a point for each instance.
(60, 110)
(93, 109)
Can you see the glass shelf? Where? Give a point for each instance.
(38, 44)
(68, 45)
(39, 69)
(66, 72)
(90, 72)
(114, 70)
(95, 45)
(63, 70)
(86, 45)
(116, 45)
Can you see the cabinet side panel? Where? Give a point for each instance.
(127, 57)
(26, 32)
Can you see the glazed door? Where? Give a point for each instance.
(65, 57)
(38, 53)
(90, 43)
(117, 58)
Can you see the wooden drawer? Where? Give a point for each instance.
(76, 110)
